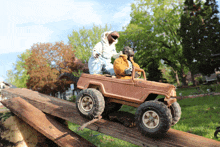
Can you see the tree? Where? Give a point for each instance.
(84, 40)
(168, 73)
(47, 62)
(200, 33)
(19, 76)
(210, 38)
(154, 74)
(153, 33)
(10, 77)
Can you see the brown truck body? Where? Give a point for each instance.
(102, 94)
(131, 92)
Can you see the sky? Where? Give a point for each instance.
(25, 22)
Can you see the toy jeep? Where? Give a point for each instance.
(100, 93)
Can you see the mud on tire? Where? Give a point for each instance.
(175, 112)
(153, 118)
(90, 103)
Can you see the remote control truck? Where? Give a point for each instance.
(101, 94)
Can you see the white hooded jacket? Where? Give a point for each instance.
(103, 63)
(106, 51)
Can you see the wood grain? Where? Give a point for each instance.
(45, 124)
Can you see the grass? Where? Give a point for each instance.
(200, 116)
(5, 115)
(193, 90)
(99, 139)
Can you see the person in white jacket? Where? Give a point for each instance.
(100, 60)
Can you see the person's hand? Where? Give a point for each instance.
(97, 55)
(128, 71)
(117, 55)
(136, 75)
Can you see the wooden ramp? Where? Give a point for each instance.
(67, 110)
(45, 124)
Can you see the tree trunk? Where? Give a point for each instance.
(192, 78)
(183, 78)
(177, 77)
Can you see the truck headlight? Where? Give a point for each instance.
(173, 93)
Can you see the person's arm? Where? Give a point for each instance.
(97, 50)
(116, 55)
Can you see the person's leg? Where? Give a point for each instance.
(95, 66)
(108, 68)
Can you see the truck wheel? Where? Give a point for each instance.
(153, 118)
(90, 103)
(111, 107)
(175, 112)
(217, 133)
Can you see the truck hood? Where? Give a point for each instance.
(163, 88)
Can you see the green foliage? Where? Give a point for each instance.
(72, 98)
(4, 116)
(199, 79)
(167, 73)
(10, 77)
(84, 40)
(210, 88)
(77, 74)
(153, 33)
(199, 30)
(19, 76)
(154, 74)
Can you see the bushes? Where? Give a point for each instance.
(72, 98)
(199, 80)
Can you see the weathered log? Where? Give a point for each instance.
(45, 124)
(67, 110)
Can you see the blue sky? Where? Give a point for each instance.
(25, 22)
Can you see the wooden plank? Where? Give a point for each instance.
(67, 110)
(45, 124)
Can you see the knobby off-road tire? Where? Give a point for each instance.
(217, 133)
(90, 103)
(175, 112)
(153, 118)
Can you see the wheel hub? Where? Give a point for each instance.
(150, 119)
(87, 103)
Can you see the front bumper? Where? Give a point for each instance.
(170, 101)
